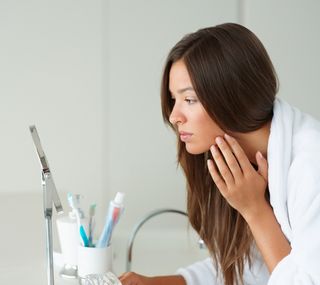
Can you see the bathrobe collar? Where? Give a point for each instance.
(279, 160)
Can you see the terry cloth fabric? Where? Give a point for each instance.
(294, 185)
(204, 272)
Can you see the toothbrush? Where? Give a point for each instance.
(77, 205)
(92, 211)
(82, 232)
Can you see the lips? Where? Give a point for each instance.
(185, 137)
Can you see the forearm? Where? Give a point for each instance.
(269, 237)
(168, 280)
(132, 278)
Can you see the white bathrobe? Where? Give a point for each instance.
(294, 185)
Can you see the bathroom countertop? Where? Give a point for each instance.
(33, 273)
(23, 254)
(22, 247)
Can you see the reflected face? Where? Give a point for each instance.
(197, 130)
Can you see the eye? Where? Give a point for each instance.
(190, 100)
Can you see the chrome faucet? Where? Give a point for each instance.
(140, 224)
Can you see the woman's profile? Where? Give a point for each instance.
(250, 159)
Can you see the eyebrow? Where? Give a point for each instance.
(185, 89)
(182, 90)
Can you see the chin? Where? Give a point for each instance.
(192, 149)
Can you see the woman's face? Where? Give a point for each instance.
(194, 125)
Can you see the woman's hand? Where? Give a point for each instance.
(244, 188)
(131, 278)
(240, 184)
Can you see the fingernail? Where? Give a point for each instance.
(213, 149)
(260, 155)
(227, 136)
(219, 140)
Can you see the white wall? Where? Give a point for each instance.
(51, 76)
(290, 30)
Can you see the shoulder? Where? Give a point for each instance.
(305, 154)
(304, 171)
(303, 182)
(306, 134)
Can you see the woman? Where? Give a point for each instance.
(250, 159)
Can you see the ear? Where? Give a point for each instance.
(262, 165)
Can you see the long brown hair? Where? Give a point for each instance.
(236, 83)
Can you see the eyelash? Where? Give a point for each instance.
(190, 101)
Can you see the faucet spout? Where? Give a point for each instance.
(140, 224)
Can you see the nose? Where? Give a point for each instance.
(176, 116)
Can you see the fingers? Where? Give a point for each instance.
(230, 163)
(128, 278)
(262, 165)
(217, 179)
(132, 278)
(229, 157)
(226, 162)
(222, 167)
(239, 153)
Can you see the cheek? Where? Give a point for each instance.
(206, 140)
(202, 141)
(208, 131)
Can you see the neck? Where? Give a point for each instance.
(255, 141)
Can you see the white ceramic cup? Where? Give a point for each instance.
(69, 239)
(93, 260)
